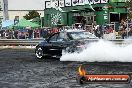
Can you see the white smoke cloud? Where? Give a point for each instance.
(102, 51)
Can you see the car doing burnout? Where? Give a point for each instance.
(64, 41)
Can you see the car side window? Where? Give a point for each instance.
(61, 37)
(54, 37)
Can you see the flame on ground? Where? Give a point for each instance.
(81, 71)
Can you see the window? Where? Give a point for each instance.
(54, 37)
(94, 18)
(62, 36)
(114, 17)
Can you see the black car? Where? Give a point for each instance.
(65, 41)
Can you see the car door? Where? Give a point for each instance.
(53, 44)
(63, 40)
(58, 42)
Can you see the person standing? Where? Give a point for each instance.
(30, 32)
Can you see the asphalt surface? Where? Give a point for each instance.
(20, 69)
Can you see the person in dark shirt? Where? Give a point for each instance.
(15, 34)
(30, 32)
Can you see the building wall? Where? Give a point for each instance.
(53, 17)
(14, 13)
(101, 14)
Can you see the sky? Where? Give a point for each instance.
(26, 4)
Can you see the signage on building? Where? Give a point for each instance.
(86, 1)
(56, 19)
(68, 2)
(81, 2)
(75, 2)
(61, 3)
(47, 4)
(104, 1)
(54, 3)
(96, 1)
(91, 1)
(105, 17)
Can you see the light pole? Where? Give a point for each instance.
(1, 22)
(127, 22)
(1, 17)
(41, 20)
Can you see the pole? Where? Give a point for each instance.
(5, 10)
(127, 23)
(127, 27)
(41, 22)
(0, 23)
(114, 26)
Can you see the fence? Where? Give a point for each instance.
(34, 42)
(21, 43)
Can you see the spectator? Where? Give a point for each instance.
(37, 33)
(22, 35)
(123, 33)
(30, 32)
(130, 32)
(7, 34)
(16, 34)
(44, 33)
(1, 33)
(110, 30)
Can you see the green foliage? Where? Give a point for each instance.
(129, 7)
(32, 14)
(37, 20)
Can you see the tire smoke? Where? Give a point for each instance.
(101, 51)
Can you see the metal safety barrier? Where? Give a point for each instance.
(115, 41)
(19, 42)
(122, 41)
(34, 42)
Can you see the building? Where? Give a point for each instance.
(5, 9)
(1, 16)
(87, 12)
(1, 9)
(21, 13)
(10, 9)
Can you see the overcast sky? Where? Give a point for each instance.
(26, 4)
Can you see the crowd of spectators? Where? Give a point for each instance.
(123, 31)
(27, 33)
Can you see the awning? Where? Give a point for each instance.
(25, 23)
(7, 23)
(120, 10)
(77, 8)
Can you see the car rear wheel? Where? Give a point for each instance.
(39, 53)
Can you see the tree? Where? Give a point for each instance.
(129, 8)
(32, 14)
(37, 20)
